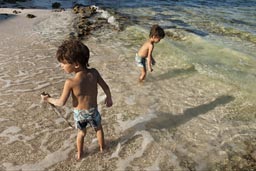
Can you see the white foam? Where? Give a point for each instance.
(12, 133)
(147, 139)
(11, 130)
(3, 119)
(141, 119)
(110, 18)
(50, 159)
(130, 100)
(154, 166)
(115, 154)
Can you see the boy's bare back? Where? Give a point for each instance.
(145, 49)
(84, 89)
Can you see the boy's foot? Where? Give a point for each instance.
(101, 150)
(141, 82)
(79, 156)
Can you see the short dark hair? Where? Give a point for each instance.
(157, 31)
(73, 51)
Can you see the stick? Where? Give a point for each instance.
(56, 111)
(59, 114)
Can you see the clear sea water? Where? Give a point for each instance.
(195, 111)
(222, 43)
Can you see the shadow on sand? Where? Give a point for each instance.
(5, 16)
(174, 73)
(168, 121)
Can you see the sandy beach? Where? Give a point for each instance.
(177, 120)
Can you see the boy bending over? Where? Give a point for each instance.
(145, 52)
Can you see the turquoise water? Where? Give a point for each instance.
(217, 37)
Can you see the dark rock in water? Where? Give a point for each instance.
(58, 10)
(56, 5)
(76, 9)
(16, 12)
(72, 35)
(85, 11)
(5, 15)
(102, 20)
(30, 16)
(14, 1)
(176, 35)
(88, 21)
(10, 1)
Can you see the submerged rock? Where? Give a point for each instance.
(58, 10)
(176, 35)
(16, 12)
(10, 1)
(14, 1)
(87, 20)
(30, 16)
(56, 5)
(5, 15)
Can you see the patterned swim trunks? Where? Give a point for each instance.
(140, 62)
(84, 117)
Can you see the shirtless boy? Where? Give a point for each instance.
(73, 56)
(144, 54)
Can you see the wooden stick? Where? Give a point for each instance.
(56, 111)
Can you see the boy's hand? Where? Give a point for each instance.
(45, 96)
(108, 102)
(150, 69)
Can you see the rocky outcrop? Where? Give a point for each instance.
(88, 20)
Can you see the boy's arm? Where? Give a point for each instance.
(63, 98)
(150, 50)
(106, 90)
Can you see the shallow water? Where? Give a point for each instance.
(196, 111)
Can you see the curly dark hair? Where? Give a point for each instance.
(73, 51)
(157, 31)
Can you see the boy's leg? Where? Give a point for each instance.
(143, 74)
(100, 137)
(80, 142)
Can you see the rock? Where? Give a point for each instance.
(87, 22)
(30, 16)
(58, 10)
(10, 1)
(56, 5)
(16, 12)
(176, 35)
(5, 15)
(14, 1)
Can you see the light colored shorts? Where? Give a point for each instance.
(140, 62)
(84, 117)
